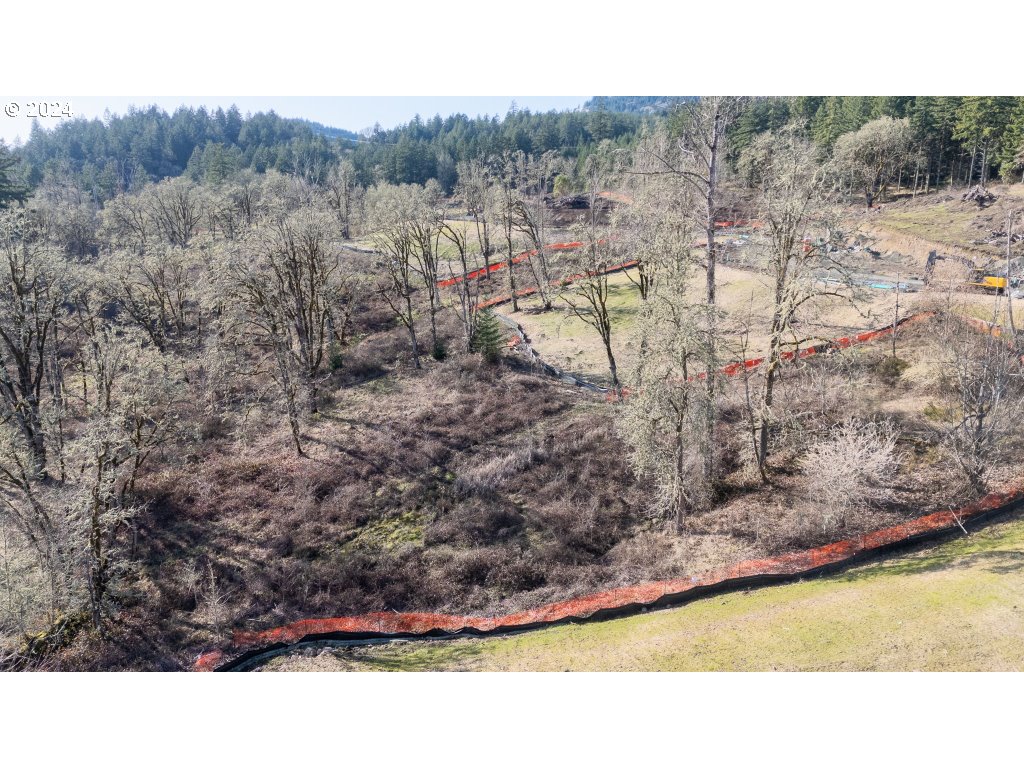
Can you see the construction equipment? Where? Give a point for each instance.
(980, 278)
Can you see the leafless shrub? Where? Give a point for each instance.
(851, 468)
(214, 607)
(484, 478)
(215, 427)
(476, 522)
(583, 529)
(23, 588)
(518, 572)
(638, 555)
(189, 578)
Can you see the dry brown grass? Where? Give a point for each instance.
(570, 344)
(471, 488)
(943, 608)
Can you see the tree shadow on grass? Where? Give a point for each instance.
(1000, 562)
(1013, 562)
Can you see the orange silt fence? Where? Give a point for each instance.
(248, 646)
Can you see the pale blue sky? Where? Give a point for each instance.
(351, 112)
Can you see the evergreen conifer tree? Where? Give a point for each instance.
(487, 337)
(10, 190)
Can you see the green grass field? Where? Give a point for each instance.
(949, 222)
(571, 344)
(940, 222)
(954, 606)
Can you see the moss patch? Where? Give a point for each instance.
(388, 534)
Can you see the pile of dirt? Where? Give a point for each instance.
(980, 195)
(567, 209)
(569, 202)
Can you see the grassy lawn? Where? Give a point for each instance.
(941, 222)
(568, 343)
(954, 606)
(949, 224)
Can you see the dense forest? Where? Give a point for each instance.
(952, 138)
(641, 104)
(949, 139)
(423, 150)
(122, 152)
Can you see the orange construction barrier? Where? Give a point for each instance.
(612, 602)
(478, 273)
(246, 645)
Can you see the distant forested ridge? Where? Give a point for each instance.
(120, 152)
(330, 131)
(952, 139)
(117, 154)
(635, 104)
(430, 149)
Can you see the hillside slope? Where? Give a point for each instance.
(955, 606)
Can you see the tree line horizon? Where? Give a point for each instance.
(952, 140)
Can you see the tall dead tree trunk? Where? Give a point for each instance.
(1010, 218)
(714, 145)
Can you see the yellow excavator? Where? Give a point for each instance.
(980, 278)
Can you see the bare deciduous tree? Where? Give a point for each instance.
(665, 417)
(176, 209)
(466, 290)
(1012, 213)
(33, 290)
(158, 290)
(504, 209)
(284, 282)
(873, 155)
(534, 175)
(130, 411)
(405, 234)
(127, 223)
(694, 151)
(474, 191)
(342, 193)
(587, 294)
(797, 243)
